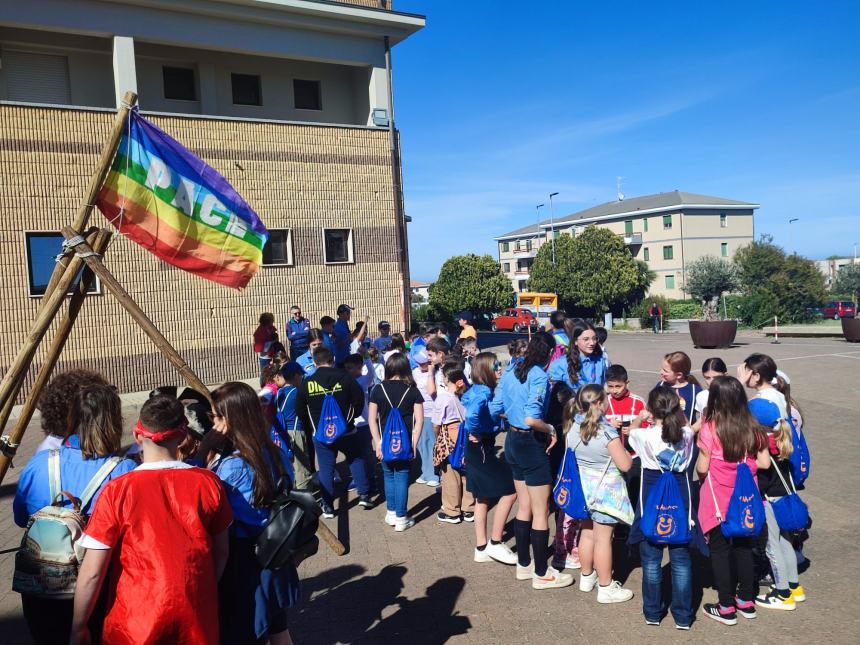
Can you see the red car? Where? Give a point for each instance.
(515, 319)
(837, 309)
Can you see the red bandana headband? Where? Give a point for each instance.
(158, 437)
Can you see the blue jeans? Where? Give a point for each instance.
(395, 474)
(369, 456)
(426, 442)
(352, 447)
(652, 581)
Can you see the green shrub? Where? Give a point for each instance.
(685, 309)
(645, 305)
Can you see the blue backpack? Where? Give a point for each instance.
(799, 459)
(396, 442)
(457, 457)
(790, 512)
(745, 514)
(567, 492)
(664, 520)
(332, 424)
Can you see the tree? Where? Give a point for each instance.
(707, 279)
(470, 282)
(757, 262)
(593, 270)
(848, 281)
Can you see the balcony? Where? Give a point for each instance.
(632, 239)
(525, 250)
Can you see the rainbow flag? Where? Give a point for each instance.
(171, 203)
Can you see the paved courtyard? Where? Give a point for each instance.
(422, 586)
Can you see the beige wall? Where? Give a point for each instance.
(302, 177)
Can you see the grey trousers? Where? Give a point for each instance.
(780, 552)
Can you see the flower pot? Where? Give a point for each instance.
(851, 329)
(713, 333)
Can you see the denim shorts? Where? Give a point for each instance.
(526, 454)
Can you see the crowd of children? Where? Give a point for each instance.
(686, 468)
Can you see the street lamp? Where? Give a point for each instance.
(552, 225)
(790, 234)
(537, 210)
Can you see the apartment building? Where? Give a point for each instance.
(666, 230)
(830, 267)
(288, 99)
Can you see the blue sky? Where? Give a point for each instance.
(501, 103)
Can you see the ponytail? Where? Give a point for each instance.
(784, 443)
(665, 404)
(588, 401)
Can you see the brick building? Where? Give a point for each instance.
(288, 99)
(666, 230)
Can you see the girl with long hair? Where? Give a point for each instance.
(758, 371)
(675, 372)
(253, 601)
(584, 361)
(521, 398)
(729, 436)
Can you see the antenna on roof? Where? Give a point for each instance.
(618, 187)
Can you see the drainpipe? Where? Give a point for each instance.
(683, 261)
(399, 217)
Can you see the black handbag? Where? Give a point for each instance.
(289, 535)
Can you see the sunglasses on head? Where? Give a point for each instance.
(497, 365)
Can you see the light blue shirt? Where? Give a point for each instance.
(306, 362)
(34, 487)
(520, 400)
(592, 370)
(479, 419)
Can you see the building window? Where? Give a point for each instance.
(724, 221)
(506, 267)
(338, 245)
(646, 255)
(42, 250)
(628, 227)
(724, 250)
(279, 249)
(668, 253)
(506, 246)
(307, 95)
(667, 222)
(645, 224)
(670, 282)
(246, 89)
(179, 83)
(556, 233)
(37, 78)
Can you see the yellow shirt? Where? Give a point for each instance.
(469, 332)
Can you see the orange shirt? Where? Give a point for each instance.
(468, 332)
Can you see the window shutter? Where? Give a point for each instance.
(37, 78)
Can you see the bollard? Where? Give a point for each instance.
(775, 340)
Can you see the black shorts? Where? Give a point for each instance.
(526, 454)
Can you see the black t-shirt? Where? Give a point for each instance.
(396, 390)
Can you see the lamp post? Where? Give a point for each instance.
(537, 210)
(552, 225)
(790, 234)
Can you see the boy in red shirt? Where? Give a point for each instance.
(623, 406)
(162, 528)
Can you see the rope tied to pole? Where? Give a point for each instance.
(7, 448)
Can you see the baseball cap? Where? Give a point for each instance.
(343, 308)
(765, 412)
(465, 315)
(421, 357)
(383, 323)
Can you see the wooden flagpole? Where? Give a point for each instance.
(10, 393)
(57, 344)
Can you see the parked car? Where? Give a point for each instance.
(837, 309)
(515, 319)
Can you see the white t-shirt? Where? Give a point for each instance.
(701, 402)
(776, 397)
(656, 454)
(365, 381)
(50, 442)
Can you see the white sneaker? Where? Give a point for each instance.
(390, 518)
(420, 480)
(587, 583)
(501, 553)
(482, 556)
(572, 562)
(613, 592)
(525, 573)
(403, 523)
(553, 579)
(433, 483)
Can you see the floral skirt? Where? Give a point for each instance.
(606, 494)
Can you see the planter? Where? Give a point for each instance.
(713, 333)
(851, 329)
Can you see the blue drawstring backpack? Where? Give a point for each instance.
(790, 511)
(396, 442)
(457, 457)
(745, 514)
(664, 520)
(799, 459)
(567, 491)
(332, 424)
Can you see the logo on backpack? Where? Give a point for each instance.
(396, 445)
(665, 518)
(665, 524)
(745, 513)
(567, 492)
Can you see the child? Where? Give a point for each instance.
(287, 432)
(327, 327)
(758, 372)
(521, 396)
(316, 338)
(375, 358)
(421, 375)
(666, 445)
(264, 337)
(556, 323)
(601, 458)
(675, 372)
(396, 391)
(773, 485)
(623, 406)
(729, 435)
(437, 351)
(383, 341)
(268, 391)
(458, 504)
(397, 345)
(361, 369)
(602, 336)
(711, 369)
(187, 508)
(783, 385)
(584, 362)
(566, 543)
(489, 478)
(358, 338)
(516, 350)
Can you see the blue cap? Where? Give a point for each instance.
(765, 412)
